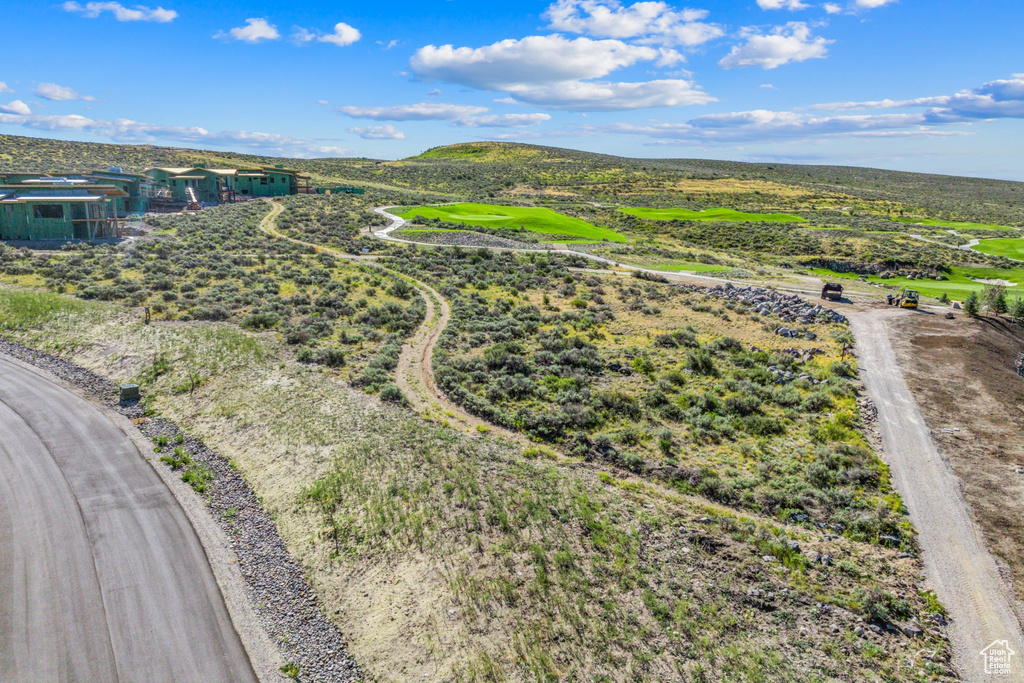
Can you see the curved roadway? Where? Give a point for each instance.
(102, 578)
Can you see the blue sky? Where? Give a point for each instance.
(933, 86)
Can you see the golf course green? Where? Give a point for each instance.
(1010, 248)
(543, 221)
(711, 215)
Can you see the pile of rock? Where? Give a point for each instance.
(790, 308)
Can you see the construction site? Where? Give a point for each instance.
(97, 204)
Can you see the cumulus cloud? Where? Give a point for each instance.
(832, 8)
(781, 4)
(785, 44)
(122, 13)
(872, 4)
(255, 31)
(343, 35)
(533, 60)
(16, 107)
(650, 22)
(60, 93)
(556, 72)
(384, 132)
(4, 87)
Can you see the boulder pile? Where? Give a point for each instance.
(790, 308)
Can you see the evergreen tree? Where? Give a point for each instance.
(972, 305)
(995, 299)
(1017, 309)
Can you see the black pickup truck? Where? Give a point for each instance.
(832, 291)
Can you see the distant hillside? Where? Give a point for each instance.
(481, 170)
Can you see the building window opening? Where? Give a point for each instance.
(49, 211)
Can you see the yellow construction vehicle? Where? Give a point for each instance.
(909, 298)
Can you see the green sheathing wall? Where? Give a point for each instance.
(17, 222)
(133, 203)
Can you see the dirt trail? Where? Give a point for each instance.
(415, 373)
(958, 566)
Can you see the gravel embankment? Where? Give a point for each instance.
(282, 599)
(468, 238)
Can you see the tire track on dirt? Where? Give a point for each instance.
(958, 566)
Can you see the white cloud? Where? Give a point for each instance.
(999, 99)
(388, 45)
(343, 35)
(600, 96)
(384, 132)
(944, 115)
(301, 36)
(767, 86)
(790, 43)
(425, 111)
(254, 31)
(533, 60)
(464, 116)
(60, 93)
(832, 8)
(872, 4)
(503, 121)
(122, 13)
(128, 131)
(559, 73)
(16, 107)
(5, 88)
(653, 22)
(781, 4)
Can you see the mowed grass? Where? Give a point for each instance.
(952, 225)
(1009, 248)
(543, 221)
(711, 215)
(961, 282)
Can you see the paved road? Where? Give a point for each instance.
(957, 564)
(102, 578)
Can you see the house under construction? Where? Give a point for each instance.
(95, 204)
(198, 185)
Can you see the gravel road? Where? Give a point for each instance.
(958, 566)
(102, 578)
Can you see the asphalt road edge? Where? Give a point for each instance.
(264, 656)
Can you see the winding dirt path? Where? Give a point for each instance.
(958, 566)
(415, 372)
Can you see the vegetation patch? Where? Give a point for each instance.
(711, 215)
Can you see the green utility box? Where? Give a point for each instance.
(130, 392)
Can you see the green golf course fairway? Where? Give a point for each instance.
(711, 215)
(1010, 248)
(544, 221)
(952, 225)
(957, 287)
